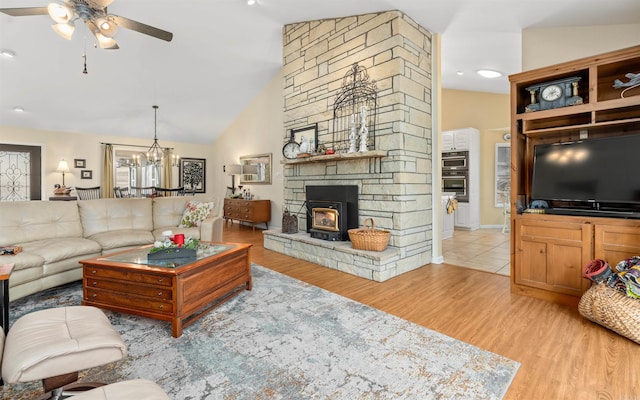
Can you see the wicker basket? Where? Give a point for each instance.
(369, 238)
(612, 309)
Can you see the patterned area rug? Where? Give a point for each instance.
(286, 339)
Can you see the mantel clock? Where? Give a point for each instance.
(554, 94)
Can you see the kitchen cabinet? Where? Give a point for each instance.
(457, 140)
(465, 141)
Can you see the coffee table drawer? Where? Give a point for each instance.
(127, 276)
(96, 296)
(161, 293)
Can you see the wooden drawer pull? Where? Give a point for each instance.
(94, 283)
(161, 306)
(159, 294)
(94, 271)
(94, 295)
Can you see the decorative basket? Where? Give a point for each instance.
(612, 309)
(369, 238)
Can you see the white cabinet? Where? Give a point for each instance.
(461, 216)
(457, 140)
(467, 216)
(447, 218)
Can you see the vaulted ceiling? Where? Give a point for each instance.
(225, 51)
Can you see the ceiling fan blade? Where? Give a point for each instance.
(25, 11)
(142, 28)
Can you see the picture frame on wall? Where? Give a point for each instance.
(193, 174)
(310, 133)
(86, 174)
(79, 163)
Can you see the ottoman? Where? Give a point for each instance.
(52, 345)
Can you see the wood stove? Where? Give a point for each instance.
(332, 211)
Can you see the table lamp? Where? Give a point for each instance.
(62, 167)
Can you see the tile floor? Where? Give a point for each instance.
(482, 249)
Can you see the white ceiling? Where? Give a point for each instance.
(224, 52)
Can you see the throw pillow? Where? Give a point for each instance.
(195, 213)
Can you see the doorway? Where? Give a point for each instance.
(20, 172)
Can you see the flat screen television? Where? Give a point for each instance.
(596, 174)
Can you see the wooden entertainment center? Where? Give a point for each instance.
(549, 251)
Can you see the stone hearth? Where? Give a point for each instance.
(375, 265)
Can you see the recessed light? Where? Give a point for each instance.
(251, 2)
(459, 73)
(18, 109)
(8, 53)
(489, 73)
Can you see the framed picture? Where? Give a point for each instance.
(193, 174)
(309, 133)
(86, 174)
(79, 163)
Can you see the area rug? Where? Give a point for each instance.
(286, 339)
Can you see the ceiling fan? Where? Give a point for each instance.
(94, 14)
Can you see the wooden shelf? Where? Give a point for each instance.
(591, 126)
(337, 157)
(602, 103)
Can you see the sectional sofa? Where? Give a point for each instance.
(55, 235)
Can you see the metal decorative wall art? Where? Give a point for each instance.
(355, 112)
(193, 174)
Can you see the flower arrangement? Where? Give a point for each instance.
(169, 245)
(173, 246)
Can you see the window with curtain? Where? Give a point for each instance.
(129, 169)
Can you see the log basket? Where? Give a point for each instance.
(369, 238)
(612, 309)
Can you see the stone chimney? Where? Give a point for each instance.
(394, 181)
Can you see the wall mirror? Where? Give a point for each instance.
(256, 169)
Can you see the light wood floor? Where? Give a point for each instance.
(563, 355)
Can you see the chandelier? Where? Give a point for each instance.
(155, 154)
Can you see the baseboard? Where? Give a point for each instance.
(490, 226)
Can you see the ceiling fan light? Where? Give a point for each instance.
(107, 27)
(64, 30)
(106, 42)
(60, 13)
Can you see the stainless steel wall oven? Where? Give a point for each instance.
(455, 174)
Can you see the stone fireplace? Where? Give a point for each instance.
(331, 211)
(393, 181)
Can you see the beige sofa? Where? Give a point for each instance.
(55, 235)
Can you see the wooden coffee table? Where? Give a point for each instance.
(178, 290)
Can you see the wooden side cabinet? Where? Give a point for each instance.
(550, 255)
(617, 240)
(253, 211)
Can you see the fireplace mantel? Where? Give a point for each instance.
(337, 157)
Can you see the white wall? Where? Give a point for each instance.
(542, 47)
(258, 129)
